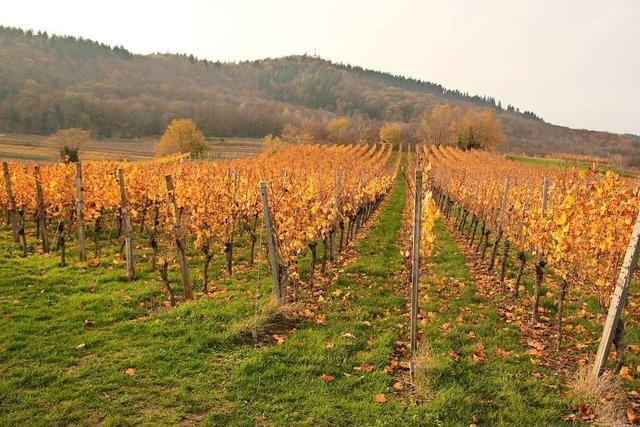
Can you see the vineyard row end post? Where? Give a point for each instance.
(41, 213)
(618, 299)
(80, 214)
(415, 262)
(126, 218)
(12, 201)
(271, 242)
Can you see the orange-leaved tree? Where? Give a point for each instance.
(392, 133)
(181, 136)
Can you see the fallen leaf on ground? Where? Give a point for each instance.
(624, 373)
(502, 353)
(380, 398)
(398, 386)
(81, 345)
(348, 335)
(633, 416)
(455, 355)
(536, 344)
(583, 412)
(326, 378)
(478, 355)
(130, 372)
(279, 339)
(367, 367)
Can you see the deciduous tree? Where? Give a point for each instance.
(337, 130)
(392, 133)
(181, 136)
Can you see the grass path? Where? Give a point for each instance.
(68, 336)
(476, 367)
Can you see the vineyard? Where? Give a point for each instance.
(325, 284)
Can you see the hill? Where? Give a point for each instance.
(53, 82)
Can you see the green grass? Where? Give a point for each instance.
(181, 356)
(499, 390)
(67, 336)
(564, 164)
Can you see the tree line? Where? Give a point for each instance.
(57, 82)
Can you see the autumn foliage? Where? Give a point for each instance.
(392, 133)
(464, 127)
(182, 136)
(584, 230)
(214, 199)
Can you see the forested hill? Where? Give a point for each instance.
(52, 82)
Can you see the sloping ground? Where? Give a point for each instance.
(81, 345)
(538, 138)
(33, 147)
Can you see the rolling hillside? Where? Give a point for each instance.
(53, 82)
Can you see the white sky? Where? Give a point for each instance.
(575, 63)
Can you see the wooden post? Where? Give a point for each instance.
(12, 201)
(79, 206)
(271, 242)
(503, 208)
(42, 222)
(618, 299)
(539, 259)
(124, 208)
(415, 263)
(182, 257)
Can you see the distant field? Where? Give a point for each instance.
(562, 163)
(32, 147)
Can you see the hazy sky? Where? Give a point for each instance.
(575, 63)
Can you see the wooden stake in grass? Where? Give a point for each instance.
(271, 243)
(153, 240)
(177, 235)
(415, 263)
(128, 231)
(540, 263)
(503, 207)
(41, 213)
(21, 233)
(618, 299)
(12, 201)
(60, 243)
(82, 248)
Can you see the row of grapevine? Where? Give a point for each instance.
(576, 222)
(318, 194)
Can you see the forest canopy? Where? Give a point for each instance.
(53, 82)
